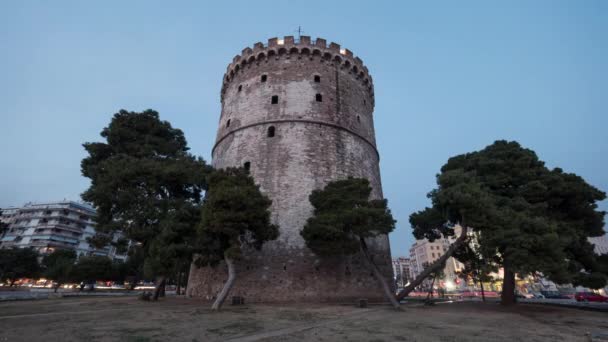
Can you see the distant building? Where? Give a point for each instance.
(46, 227)
(424, 253)
(401, 270)
(601, 244)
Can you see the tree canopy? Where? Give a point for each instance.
(145, 184)
(18, 263)
(343, 217)
(58, 266)
(92, 268)
(235, 216)
(529, 218)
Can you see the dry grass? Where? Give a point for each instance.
(179, 319)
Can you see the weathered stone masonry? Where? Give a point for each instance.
(298, 114)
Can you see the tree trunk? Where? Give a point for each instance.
(179, 282)
(387, 290)
(160, 283)
(133, 283)
(508, 287)
(430, 294)
(221, 297)
(13, 282)
(434, 267)
(57, 287)
(483, 295)
(163, 287)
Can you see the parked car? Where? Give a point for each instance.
(590, 297)
(553, 295)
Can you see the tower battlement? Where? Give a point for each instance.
(305, 47)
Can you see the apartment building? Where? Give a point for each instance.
(46, 227)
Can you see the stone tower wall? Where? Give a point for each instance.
(314, 142)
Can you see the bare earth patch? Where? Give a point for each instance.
(181, 319)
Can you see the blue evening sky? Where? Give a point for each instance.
(450, 77)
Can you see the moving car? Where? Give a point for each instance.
(590, 297)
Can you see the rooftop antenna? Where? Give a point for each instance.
(299, 32)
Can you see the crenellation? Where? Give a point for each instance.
(305, 40)
(288, 47)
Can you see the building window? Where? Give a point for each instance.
(264, 78)
(319, 98)
(275, 99)
(317, 79)
(240, 87)
(228, 123)
(433, 254)
(270, 132)
(247, 166)
(358, 118)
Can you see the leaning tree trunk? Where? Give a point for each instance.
(434, 267)
(387, 290)
(221, 297)
(160, 284)
(508, 287)
(430, 293)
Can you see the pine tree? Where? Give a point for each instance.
(344, 217)
(143, 182)
(235, 216)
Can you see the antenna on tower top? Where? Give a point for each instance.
(299, 32)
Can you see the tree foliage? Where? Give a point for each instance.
(529, 218)
(89, 269)
(145, 184)
(58, 266)
(343, 217)
(235, 216)
(18, 263)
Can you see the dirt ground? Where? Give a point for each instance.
(181, 319)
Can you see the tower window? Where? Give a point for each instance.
(275, 99)
(358, 118)
(264, 78)
(240, 87)
(317, 78)
(228, 123)
(247, 166)
(270, 132)
(319, 98)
